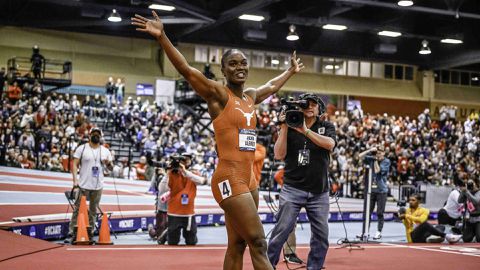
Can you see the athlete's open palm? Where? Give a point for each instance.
(295, 63)
(153, 27)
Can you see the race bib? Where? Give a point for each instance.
(225, 189)
(247, 140)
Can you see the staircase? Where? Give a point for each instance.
(123, 148)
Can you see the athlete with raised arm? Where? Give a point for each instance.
(232, 110)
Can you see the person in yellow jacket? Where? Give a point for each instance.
(415, 219)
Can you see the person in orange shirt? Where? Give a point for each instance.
(182, 188)
(14, 92)
(260, 154)
(141, 168)
(230, 106)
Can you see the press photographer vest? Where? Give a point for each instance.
(182, 195)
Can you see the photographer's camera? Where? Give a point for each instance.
(293, 115)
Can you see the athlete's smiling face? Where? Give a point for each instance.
(235, 68)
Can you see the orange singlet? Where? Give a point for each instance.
(235, 134)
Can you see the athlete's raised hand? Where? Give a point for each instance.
(153, 27)
(295, 64)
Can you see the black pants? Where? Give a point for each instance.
(445, 219)
(381, 200)
(471, 230)
(423, 231)
(185, 225)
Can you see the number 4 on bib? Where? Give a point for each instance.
(225, 189)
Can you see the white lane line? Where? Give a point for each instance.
(215, 248)
(428, 248)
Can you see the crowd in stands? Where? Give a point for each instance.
(39, 130)
(420, 150)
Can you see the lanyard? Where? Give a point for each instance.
(95, 157)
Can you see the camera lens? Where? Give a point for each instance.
(294, 118)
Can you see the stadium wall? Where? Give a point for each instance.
(95, 57)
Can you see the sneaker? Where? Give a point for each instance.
(378, 235)
(292, 258)
(435, 239)
(453, 238)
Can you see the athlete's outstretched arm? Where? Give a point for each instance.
(272, 86)
(203, 86)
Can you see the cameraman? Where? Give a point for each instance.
(182, 184)
(307, 157)
(470, 196)
(451, 212)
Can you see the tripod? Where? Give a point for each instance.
(345, 242)
(355, 245)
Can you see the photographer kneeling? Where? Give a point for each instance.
(182, 184)
(470, 195)
(415, 219)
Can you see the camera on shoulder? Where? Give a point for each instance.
(174, 163)
(293, 115)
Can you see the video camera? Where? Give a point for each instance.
(293, 115)
(174, 163)
(470, 185)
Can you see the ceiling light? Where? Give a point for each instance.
(275, 62)
(425, 49)
(161, 7)
(292, 35)
(115, 17)
(249, 17)
(389, 33)
(451, 41)
(405, 3)
(475, 79)
(336, 27)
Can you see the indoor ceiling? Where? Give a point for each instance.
(217, 22)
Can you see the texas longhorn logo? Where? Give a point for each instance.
(248, 116)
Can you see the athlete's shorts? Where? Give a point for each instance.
(232, 178)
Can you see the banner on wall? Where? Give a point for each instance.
(352, 104)
(144, 89)
(463, 111)
(164, 91)
(82, 90)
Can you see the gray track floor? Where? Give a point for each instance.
(392, 232)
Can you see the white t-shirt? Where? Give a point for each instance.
(90, 178)
(453, 208)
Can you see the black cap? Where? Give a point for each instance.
(310, 96)
(316, 99)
